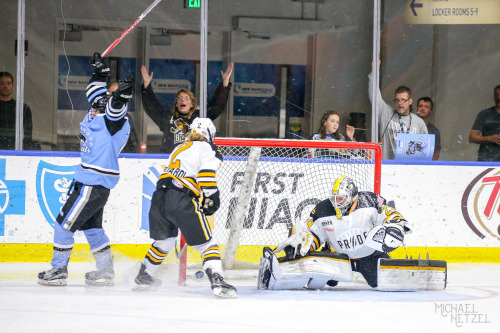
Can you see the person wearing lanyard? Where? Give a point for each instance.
(391, 122)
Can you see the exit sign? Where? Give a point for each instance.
(192, 3)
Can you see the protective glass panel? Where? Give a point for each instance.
(293, 60)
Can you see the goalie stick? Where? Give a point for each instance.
(132, 26)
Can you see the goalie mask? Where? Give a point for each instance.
(344, 194)
(204, 127)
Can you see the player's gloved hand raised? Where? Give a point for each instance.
(211, 203)
(100, 68)
(125, 89)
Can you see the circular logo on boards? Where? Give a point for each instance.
(481, 204)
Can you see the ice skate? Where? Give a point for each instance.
(219, 286)
(101, 277)
(53, 277)
(144, 281)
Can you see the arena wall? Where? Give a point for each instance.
(453, 209)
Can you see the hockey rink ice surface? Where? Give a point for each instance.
(470, 303)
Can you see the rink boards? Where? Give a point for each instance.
(453, 210)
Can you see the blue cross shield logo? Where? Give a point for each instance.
(12, 196)
(52, 185)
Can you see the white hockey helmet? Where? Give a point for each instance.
(344, 193)
(205, 127)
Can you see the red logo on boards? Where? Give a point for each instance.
(481, 204)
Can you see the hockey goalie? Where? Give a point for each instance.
(350, 232)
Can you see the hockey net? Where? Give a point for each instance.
(267, 185)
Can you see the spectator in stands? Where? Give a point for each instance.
(8, 117)
(132, 143)
(391, 122)
(425, 107)
(175, 123)
(329, 131)
(486, 131)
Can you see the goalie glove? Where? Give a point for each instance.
(211, 203)
(300, 241)
(100, 68)
(125, 88)
(393, 238)
(385, 238)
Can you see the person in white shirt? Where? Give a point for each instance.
(393, 121)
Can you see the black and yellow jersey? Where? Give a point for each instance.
(192, 166)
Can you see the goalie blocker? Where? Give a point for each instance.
(317, 269)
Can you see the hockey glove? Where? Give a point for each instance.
(393, 238)
(125, 89)
(385, 238)
(211, 204)
(305, 241)
(100, 68)
(299, 242)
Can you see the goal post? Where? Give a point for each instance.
(266, 185)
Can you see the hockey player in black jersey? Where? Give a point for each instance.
(103, 133)
(189, 172)
(356, 228)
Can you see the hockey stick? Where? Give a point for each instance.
(125, 33)
(183, 245)
(179, 254)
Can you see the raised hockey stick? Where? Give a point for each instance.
(125, 33)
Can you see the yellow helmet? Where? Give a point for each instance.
(344, 193)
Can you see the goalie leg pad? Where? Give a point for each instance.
(320, 267)
(312, 271)
(411, 274)
(268, 270)
(271, 277)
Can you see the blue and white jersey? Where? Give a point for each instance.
(102, 139)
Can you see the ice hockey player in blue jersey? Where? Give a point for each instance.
(103, 133)
(189, 173)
